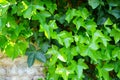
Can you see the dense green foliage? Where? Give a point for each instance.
(77, 39)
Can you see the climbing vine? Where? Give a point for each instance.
(76, 39)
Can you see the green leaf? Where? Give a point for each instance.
(39, 7)
(65, 37)
(78, 22)
(94, 3)
(97, 34)
(105, 74)
(115, 13)
(3, 41)
(118, 74)
(22, 45)
(81, 65)
(12, 50)
(9, 50)
(62, 71)
(46, 30)
(113, 3)
(44, 46)
(53, 60)
(51, 7)
(94, 46)
(40, 56)
(41, 16)
(84, 13)
(28, 13)
(68, 41)
(108, 22)
(108, 67)
(61, 57)
(70, 14)
(116, 34)
(84, 50)
(116, 52)
(79, 71)
(52, 24)
(31, 59)
(90, 25)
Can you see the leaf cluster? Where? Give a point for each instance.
(76, 39)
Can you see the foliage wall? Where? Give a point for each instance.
(77, 39)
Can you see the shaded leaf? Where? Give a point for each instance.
(115, 13)
(40, 56)
(94, 3)
(31, 59)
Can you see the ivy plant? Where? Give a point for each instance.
(76, 39)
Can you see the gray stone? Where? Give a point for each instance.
(31, 71)
(12, 70)
(2, 71)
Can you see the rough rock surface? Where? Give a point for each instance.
(18, 69)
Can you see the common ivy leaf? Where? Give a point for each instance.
(94, 3)
(94, 46)
(22, 45)
(81, 65)
(62, 71)
(28, 13)
(84, 50)
(40, 56)
(79, 71)
(90, 25)
(41, 16)
(12, 50)
(115, 34)
(84, 13)
(46, 30)
(68, 41)
(9, 50)
(78, 22)
(39, 7)
(3, 41)
(53, 60)
(53, 24)
(31, 59)
(113, 3)
(118, 74)
(70, 14)
(116, 52)
(104, 41)
(105, 74)
(108, 67)
(62, 57)
(51, 7)
(115, 13)
(60, 18)
(108, 22)
(97, 34)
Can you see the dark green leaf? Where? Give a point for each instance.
(31, 59)
(94, 3)
(115, 13)
(40, 56)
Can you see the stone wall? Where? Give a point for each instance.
(19, 70)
